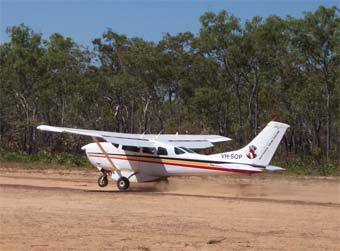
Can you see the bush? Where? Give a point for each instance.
(45, 158)
(298, 167)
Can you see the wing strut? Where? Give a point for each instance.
(107, 156)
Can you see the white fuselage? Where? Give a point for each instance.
(166, 160)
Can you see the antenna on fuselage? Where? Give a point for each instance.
(159, 134)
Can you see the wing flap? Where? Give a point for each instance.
(192, 144)
(129, 142)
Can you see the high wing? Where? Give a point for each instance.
(144, 140)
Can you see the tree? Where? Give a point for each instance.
(22, 69)
(231, 78)
(315, 38)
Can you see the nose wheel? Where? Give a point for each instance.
(103, 181)
(123, 183)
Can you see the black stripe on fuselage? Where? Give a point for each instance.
(172, 158)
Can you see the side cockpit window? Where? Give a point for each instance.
(149, 150)
(115, 145)
(130, 148)
(162, 151)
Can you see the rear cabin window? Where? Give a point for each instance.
(130, 148)
(149, 150)
(162, 151)
(178, 151)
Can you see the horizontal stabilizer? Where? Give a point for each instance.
(274, 169)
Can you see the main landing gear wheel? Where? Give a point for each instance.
(103, 181)
(123, 183)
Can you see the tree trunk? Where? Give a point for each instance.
(239, 112)
(132, 117)
(251, 109)
(256, 119)
(145, 113)
(328, 124)
(251, 112)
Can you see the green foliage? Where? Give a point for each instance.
(45, 158)
(298, 167)
(230, 79)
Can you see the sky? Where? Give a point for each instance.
(84, 20)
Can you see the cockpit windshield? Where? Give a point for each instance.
(179, 151)
(187, 149)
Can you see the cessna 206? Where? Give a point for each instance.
(149, 157)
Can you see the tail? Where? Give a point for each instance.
(261, 149)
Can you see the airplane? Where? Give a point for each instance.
(150, 157)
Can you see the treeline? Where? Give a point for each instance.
(229, 79)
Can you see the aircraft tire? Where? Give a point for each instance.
(103, 181)
(123, 183)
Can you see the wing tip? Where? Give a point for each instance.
(278, 124)
(49, 128)
(42, 127)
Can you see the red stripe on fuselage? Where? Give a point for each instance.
(215, 168)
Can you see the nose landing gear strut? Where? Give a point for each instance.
(103, 181)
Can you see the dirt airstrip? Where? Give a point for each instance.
(58, 209)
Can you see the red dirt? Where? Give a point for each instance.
(65, 210)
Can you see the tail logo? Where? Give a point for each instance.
(252, 152)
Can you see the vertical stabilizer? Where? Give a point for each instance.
(261, 149)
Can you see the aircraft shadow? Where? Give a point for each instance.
(131, 191)
(156, 192)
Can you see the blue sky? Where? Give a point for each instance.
(84, 20)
